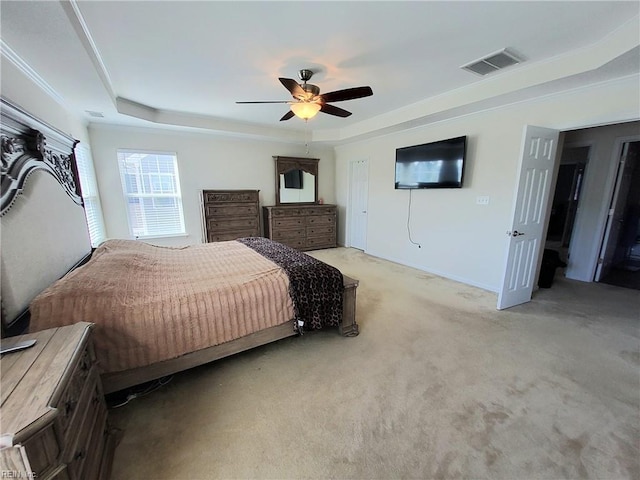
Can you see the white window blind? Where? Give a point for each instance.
(90, 195)
(151, 188)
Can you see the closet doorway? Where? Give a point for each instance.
(566, 198)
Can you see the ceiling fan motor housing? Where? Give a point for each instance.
(312, 89)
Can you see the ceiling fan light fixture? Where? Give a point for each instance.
(305, 110)
(307, 100)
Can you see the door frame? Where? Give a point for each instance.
(612, 189)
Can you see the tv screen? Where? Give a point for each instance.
(431, 165)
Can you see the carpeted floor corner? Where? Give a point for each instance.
(438, 385)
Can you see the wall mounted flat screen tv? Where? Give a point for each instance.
(431, 165)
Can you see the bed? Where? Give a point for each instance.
(154, 304)
(157, 310)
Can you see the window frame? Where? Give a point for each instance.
(127, 195)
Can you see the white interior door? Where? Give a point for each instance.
(539, 147)
(358, 203)
(615, 218)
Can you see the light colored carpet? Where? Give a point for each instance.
(439, 384)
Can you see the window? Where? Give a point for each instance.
(90, 195)
(152, 191)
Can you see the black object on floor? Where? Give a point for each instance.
(550, 261)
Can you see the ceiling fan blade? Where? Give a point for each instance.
(333, 110)
(287, 116)
(346, 94)
(293, 87)
(274, 101)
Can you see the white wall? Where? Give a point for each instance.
(25, 93)
(462, 240)
(595, 197)
(205, 161)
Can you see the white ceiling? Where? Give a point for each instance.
(186, 63)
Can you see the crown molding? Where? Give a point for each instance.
(11, 55)
(206, 122)
(72, 10)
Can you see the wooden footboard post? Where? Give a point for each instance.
(349, 327)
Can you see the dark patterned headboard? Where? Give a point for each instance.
(43, 231)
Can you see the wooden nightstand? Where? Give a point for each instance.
(52, 412)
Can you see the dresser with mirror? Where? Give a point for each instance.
(298, 219)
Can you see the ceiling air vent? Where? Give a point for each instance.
(95, 114)
(491, 63)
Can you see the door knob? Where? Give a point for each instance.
(515, 233)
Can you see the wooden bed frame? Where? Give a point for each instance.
(28, 145)
(115, 381)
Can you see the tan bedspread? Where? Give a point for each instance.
(155, 303)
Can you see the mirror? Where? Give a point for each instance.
(296, 180)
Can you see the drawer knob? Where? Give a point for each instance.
(80, 454)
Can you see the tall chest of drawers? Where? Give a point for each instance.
(304, 227)
(54, 416)
(230, 214)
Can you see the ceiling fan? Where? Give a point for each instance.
(307, 100)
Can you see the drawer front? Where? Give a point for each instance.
(292, 222)
(240, 210)
(321, 230)
(70, 399)
(229, 197)
(225, 236)
(321, 211)
(280, 235)
(96, 447)
(84, 403)
(287, 212)
(215, 225)
(322, 220)
(321, 242)
(93, 420)
(43, 450)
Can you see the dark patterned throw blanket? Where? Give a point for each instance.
(315, 287)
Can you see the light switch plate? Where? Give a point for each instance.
(482, 200)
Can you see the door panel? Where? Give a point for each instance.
(358, 204)
(532, 197)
